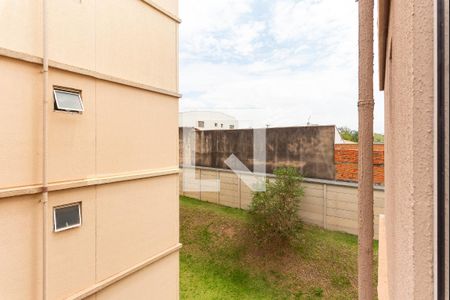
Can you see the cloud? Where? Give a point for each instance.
(214, 28)
(311, 20)
(276, 62)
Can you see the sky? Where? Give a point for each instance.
(273, 62)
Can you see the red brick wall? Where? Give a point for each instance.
(346, 160)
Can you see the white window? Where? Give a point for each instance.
(66, 100)
(66, 217)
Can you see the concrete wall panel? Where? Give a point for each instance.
(20, 149)
(72, 136)
(246, 194)
(95, 35)
(312, 192)
(169, 5)
(311, 218)
(152, 119)
(71, 253)
(191, 187)
(135, 221)
(313, 200)
(206, 186)
(139, 50)
(72, 32)
(157, 281)
(21, 25)
(310, 149)
(20, 248)
(229, 190)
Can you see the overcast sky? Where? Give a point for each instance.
(277, 62)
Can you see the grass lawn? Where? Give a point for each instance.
(219, 260)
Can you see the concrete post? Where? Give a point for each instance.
(325, 206)
(365, 160)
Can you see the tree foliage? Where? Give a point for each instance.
(348, 134)
(378, 138)
(352, 135)
(274, 214)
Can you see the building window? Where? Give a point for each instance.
(221, 125)
(201, 124)
(231, 126)
(66, 217)
(68, 100)
(215, 124)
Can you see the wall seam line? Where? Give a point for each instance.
(124, 274)
(305, 179)
(162, 10)
(36, 189)
(86, 72)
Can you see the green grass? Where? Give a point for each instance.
(220, 260)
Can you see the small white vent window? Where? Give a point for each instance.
(69, 101)
(66, 217)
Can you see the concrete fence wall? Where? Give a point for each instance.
(329, 204)
(307, 148)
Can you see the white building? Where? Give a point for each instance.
(207, 120)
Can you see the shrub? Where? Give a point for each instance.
(274, 213)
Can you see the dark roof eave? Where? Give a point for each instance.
(383, 29)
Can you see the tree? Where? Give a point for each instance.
(273, 214)
(378, 138)
(348, 134)
(352, 135)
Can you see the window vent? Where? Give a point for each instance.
(66, 217)
(69, 101)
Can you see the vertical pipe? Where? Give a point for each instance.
(44, 148)
(365, 160)
(440, 149)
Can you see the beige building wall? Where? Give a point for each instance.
(408, 64)
(119, 158)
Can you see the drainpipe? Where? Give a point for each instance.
(365, 160)
(44, 149)
(440, 152)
